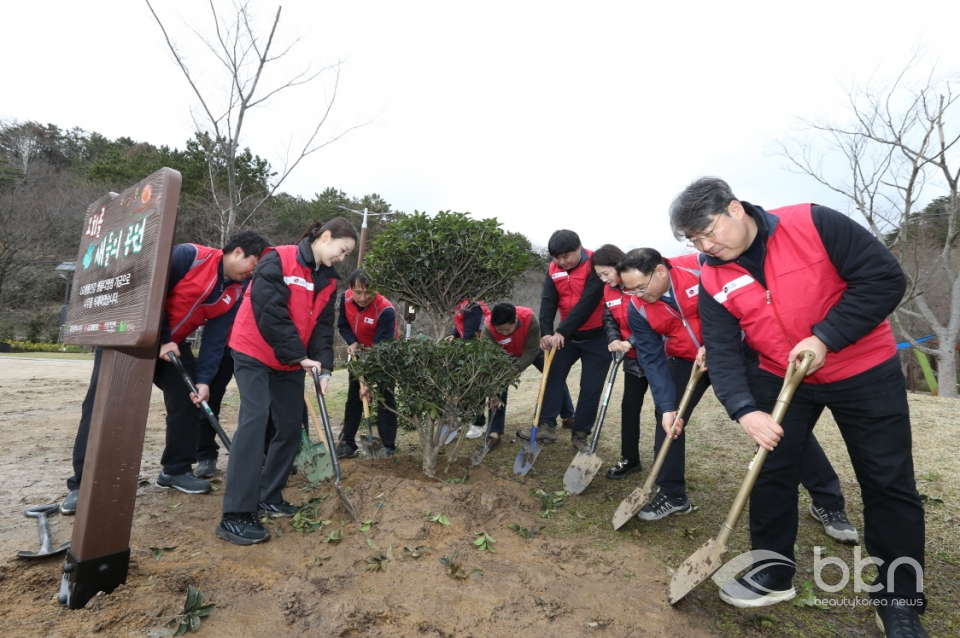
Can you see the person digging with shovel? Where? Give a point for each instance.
(808, 278)
(284, 328)
(366, 318)
(204, 287)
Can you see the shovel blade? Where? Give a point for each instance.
(448, 434)
(373, 448)
(347, 505)
(581, 471)
(527, 457)
(698, 567)
(313, 459)
(479, 454)
(632, 505)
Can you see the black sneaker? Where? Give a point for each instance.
(205, 468)
(69, 504)
(580, 441)
(389, 451)
(896, 619)
(345, 451)
(757, 588)
(277, 510)
(186, 483)
(662, 506)
(242, 528)
(835, 524)
(623, 468)
(545, 434)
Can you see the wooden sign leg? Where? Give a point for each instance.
(99, 553)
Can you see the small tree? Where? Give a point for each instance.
(436, 262)
(438, 382)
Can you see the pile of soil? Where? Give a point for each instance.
(548, 585)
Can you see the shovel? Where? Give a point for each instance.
(313, 459)
(642, 495)
(705, 562)
(481, 452)
(203, 404)
(372, 446)
(46, 543)
(333, 453)
(531, 449)
(448, 433)
(586, 465)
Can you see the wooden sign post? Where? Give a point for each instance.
(117, 302)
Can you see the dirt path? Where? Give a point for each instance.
(576, 585)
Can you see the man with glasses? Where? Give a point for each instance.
(798, 278)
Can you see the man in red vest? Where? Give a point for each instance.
(204, 289)
(468, 319)
(573, 289)
(801, 278)
(366, 318)
(664, 318)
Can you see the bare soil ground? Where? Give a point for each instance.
(576, 576)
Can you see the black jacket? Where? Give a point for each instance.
(875, 286)
(612, 330)
(269, 296)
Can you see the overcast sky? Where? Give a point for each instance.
(589, 116)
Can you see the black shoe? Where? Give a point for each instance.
(277, 510)
(835, 524)
(242, 529)
(346, 451)
(69, 504)
(389, 451)
(205, 468)
(896, 619)
(757, 588)
(623, 468)
(662, 506)
(580, 441)
(186, 483)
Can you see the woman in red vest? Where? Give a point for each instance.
(283, 328)
(615, 305)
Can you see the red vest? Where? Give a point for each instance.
(458, 315)
(802, 286)
(514, 344)
(570, 286)
(304, 309)
(616, 302)
(184, 305)
(680, 330)
(363, 323)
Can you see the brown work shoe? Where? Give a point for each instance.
(567, 423)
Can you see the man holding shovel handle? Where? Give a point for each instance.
(798, 278)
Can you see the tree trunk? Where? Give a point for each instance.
(947, 370)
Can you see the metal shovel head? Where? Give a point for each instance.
(581, 471)
(52, 552)
(479, 454)
(632, 504)
(373, 447)
(527, 457)
(698, 567)
(448, 434)
(313, 459)
(347, 505)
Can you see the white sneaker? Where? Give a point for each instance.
(475, 432)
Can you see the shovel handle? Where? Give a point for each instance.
(617, 360)
(326, 422)
(547, 360)
(791, 382)
(316, 420)
(211, 417)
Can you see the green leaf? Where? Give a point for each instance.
(195, 623)
(191, 598)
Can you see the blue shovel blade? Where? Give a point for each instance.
(527, 455)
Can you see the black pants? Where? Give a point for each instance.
(207, 447)
(264, 393)
(566, 404)
(634, 388)
(594, 362)
(179, 450)
(671, 479)
(873, 416)
(353, 414)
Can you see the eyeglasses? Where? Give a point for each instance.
(695, 242)
(638, 291)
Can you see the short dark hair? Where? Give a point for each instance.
(503, 313)
(644, 260)
(358, 277)
(607, 255)
(691, 210)
(339, 229)
(252, 243)
(562, 242)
